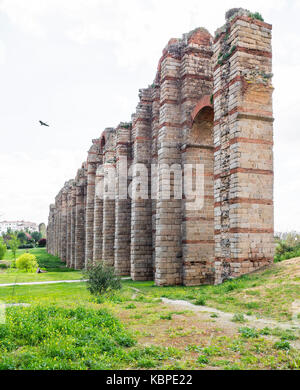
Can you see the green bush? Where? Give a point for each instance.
(287, 249)
(42, 243)
(290, 254)
(3, 249)
(27, 262)
(26, 246)
(101, 279)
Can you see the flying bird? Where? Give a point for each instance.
(43, 124)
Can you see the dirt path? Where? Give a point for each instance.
(41, 283)
(225, 319)
(46, 282)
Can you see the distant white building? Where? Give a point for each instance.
(18, 225)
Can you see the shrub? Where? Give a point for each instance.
(3, 249)
(27, 262)
(101, 279)
(26, 246)
(42, 242)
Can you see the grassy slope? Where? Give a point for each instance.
(168, 338)
(56, 270)
(268, 293)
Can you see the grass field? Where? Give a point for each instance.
(56, 270)
(66, 328)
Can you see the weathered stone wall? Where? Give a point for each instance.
(211, 105)
(243, 132)
(80, 219)
(123, 202)
(109, 164)
(92, 165)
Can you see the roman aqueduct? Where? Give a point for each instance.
(211, 105)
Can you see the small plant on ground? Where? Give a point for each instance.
(283, 345)
(27, 262)
(200, 301)
(202, 359)
(130, 306)
(101, 279)
(248, 333)
(239, 317)
(265, 331)
(146, 363)
(211, 350)
(166, 317)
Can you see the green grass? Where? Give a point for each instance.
(67, 340)
(66, 328)
(53, 338)
(56, 270)
(46, 294)
(264, 294)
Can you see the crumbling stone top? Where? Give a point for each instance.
(233, 12)
(238, 12)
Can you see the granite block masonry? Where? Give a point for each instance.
(210, 105)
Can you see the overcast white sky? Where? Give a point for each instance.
(78, 64)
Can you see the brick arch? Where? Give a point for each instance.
(198, 224)
(205, 101)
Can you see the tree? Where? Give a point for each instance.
(2, 248)
(22, 237)
(36, 236)
(14, 244)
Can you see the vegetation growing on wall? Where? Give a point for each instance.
(256, 15)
